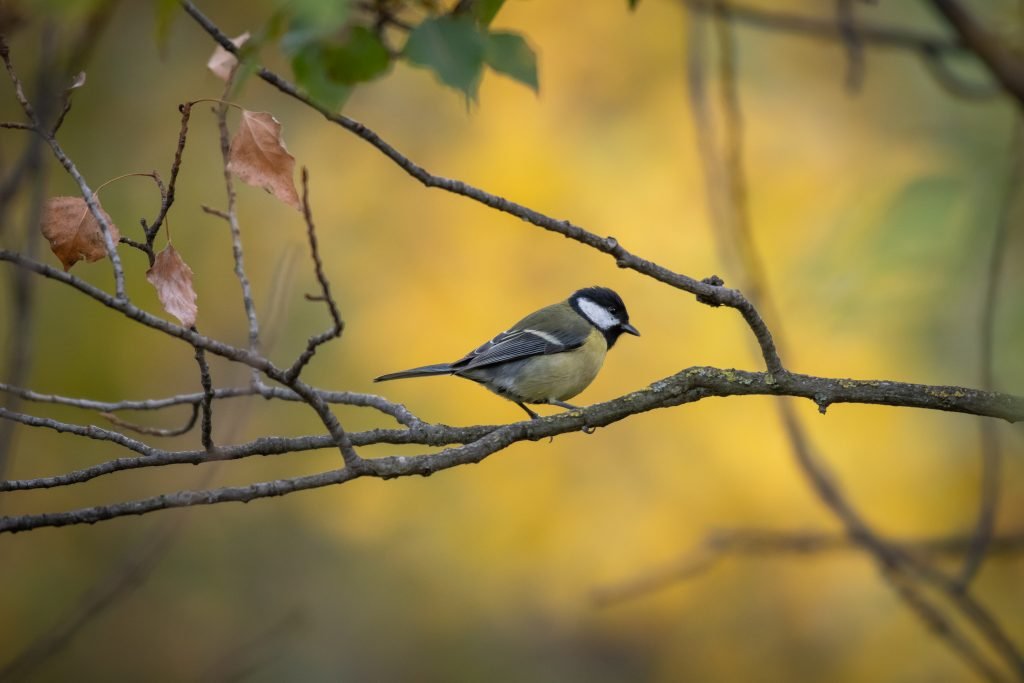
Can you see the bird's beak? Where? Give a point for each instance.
(626, 327)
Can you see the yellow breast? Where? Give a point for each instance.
(561, 376)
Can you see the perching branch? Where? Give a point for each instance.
(480, 442)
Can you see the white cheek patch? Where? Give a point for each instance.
(599, 315)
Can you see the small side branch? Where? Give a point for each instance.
(325, 289)
(156, 431)
(206, 432)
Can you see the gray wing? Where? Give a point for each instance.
(518, 344)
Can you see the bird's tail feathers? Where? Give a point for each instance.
(424, 371)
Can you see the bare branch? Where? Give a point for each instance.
(91, 431)
(157, 431)
(685, 387)
(206, 432)
(352, 398)
(325, 288)
(231, 216)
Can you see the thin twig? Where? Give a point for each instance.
(206, 432)
(338, 324)
(90, 431)
(231, 216)
(156, 431)
(351, 398)
(179, 151)
(426, 435)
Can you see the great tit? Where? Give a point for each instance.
(547, 357)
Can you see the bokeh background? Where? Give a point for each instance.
(873, 211)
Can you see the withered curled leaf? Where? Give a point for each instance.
(73, 232)
(223, 62)
(172, 278)
(259, 158)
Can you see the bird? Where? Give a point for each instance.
(547, 357)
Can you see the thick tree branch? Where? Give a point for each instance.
(687, 386)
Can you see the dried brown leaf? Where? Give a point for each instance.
(222, 62)
(259, 158)
(173, 281)
(73, 232)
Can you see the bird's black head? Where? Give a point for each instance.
(605, 311)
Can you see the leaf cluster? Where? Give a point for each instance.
(335, 46)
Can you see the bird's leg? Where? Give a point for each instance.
(569, 406)
(533, 415)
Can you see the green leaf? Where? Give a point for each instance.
(453, 48)
(166, 10)
(508, 53)
(328, 72)
(361, 58)
(485, 10)
(309, 67)
(311, 21)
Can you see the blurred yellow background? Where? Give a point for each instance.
(873, 211)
